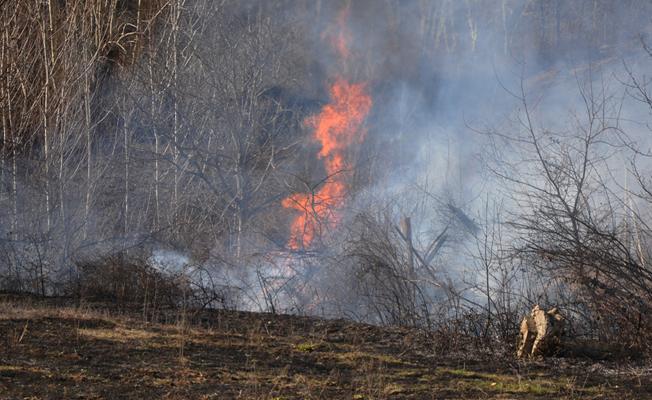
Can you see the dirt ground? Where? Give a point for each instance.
(49, 352)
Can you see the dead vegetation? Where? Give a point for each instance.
(180, 127)
(82, 352)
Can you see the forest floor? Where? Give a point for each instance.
(66, 352)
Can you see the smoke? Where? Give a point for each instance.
(201, 159)
(442, 74)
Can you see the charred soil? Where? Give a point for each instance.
(72, 352)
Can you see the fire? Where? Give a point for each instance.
(338, 126)
(342, 36)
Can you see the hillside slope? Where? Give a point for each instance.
(62, 352)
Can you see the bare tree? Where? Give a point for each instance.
(573, 220)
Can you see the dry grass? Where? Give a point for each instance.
(68, 352)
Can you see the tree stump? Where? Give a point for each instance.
(541, 333)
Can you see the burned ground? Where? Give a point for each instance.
(70, 352)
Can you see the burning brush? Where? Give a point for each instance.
(338, 126)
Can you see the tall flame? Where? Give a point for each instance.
(338, 126)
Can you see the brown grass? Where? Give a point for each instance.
(67, 352)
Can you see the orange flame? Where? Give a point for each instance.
(336, 127)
